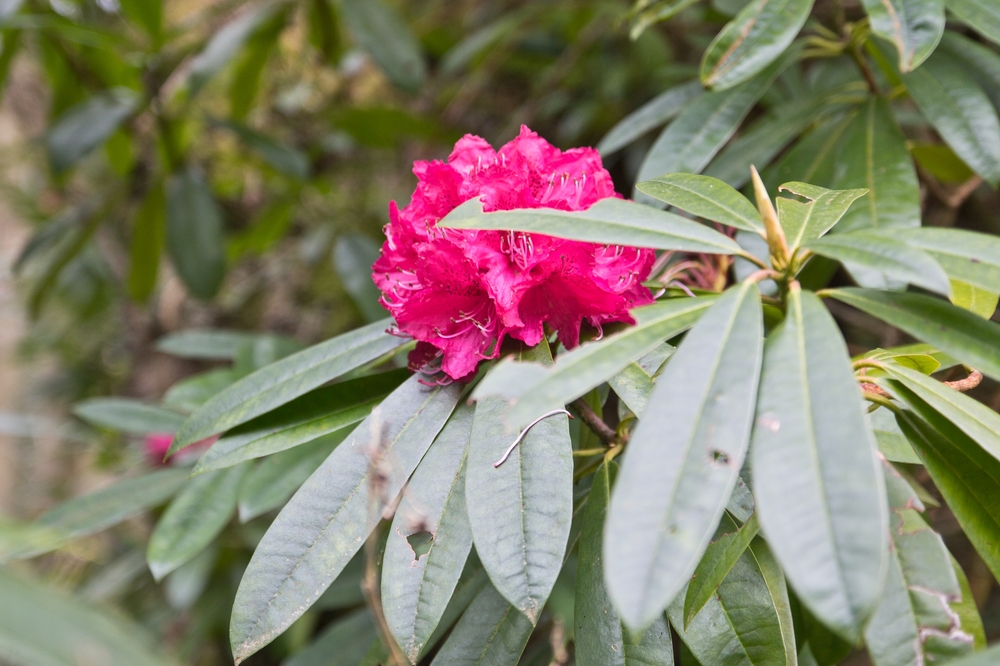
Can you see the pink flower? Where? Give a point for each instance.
(157, 444)
(460, 292)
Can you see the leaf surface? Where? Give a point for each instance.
(983, 16)
(650, 115)
(490, 633)
(913, 26)
(382, 32)
(706, 197)
(128, 416)
(194, 233)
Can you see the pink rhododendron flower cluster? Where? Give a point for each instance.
(156, 446)
(461, 292)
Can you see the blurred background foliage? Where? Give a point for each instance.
(227, 165)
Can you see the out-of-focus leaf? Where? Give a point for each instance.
(649, 116)
(383, 33)
(269, 485)
(343, 643)
(940, 161)
(892, 443)
(267, 228)
(957, 332)
(914, 622)
(816, 479)
(719, 559)
(684, 458)
(224, 44)
(706, 124)
(418, 579)
(184, 585)
(148, 14)
(634, 384)
(353, 256)
(280, 157)
(913, 26)
(212, 344)
(979, 61)
(886, 254)
(193, 519)
(960, 112)
(459, 56)
(534, 389)
(521, 510)
(385, 127)
(983, 16)
(249, 69)
(706, 197)
(192, 392)
(194, 233)
(647, 12)
(804, 222)
(967, 256)
(324, 30)
(974, 299)
(601, 640)
(872, 154)
(609, 221)
(281, 382)
(316, 414)
(87, 125)
(327, 521)
(812, 158)
(491, 632)
(967, 477)
(753, 40)
(128, 416)
(148, 233)
(43, 627)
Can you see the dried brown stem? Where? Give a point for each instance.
(965, 384)
(373, 596)
(595, 422)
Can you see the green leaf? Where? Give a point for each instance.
(648, 12)
(193, 391)
(914, 623)
(913, 26)
(609, 221)
(324, 30)
(940, 161)
(40, 626)
(193, 519)
(892, 443)
(88, 125)
(327, 521)
(490, 633)
(970, 257)
(816, 479)
(922, 361)
(225, 44)
(804, 222)
(521, 510)
(983, 16)
(953, 330)
(634, 384)
(684, 458)
(751, 602)
(885, 254)
(384, 34)
(128, 416)
(968, 614)
(280, 157)
(101, 509)
(268, 227)
(249, 70)
(418, 579)
(147, 13)
(706, 124)
(269, 485)
(974, 299)
(967, 477)
(985, 658)
(353, 256)
(148, 233)
(706, 197)
(210, 344)
(281, 382)
(344, 643)
(650, 115)
(318, 413)
(194, 233)
(719, 559)
(972, 417)
(601, 640)
(753, 40)
(960, 112)
(872, 154)
(534, 389)
(979, 61)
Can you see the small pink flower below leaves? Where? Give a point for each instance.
(156, 446)
(459, 293)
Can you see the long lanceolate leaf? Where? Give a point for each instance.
(752, 41)
(983, 16)
(521, 510)
(327, 520)
(684, 458)
(967, 256)
(914, 622)
(913, 26)
(490, 633)
(535, 389)
(281, 382)
(600, 638)
(957, 332)
(815, 474)
(609, 221)
(654, 113)
(417, 585)
(705, 197)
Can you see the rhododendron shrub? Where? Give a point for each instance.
(460, 293)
